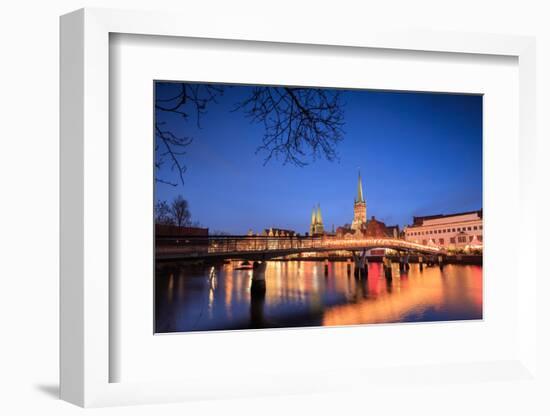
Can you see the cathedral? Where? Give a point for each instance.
(316, 227)
(359, 209)
(360, 226)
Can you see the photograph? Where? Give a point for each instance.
(284, 206)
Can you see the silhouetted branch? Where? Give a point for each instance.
(300, 123)
(191, 99)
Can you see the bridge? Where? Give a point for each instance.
(267, 247)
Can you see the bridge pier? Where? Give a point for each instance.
(421, 262)
(387, 268)
(257, 301)
(326, 267)
(361, 264)
(404, 262)
(257, 286)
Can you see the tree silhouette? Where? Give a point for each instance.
(300, 124)
(179, 208)
(163, 213)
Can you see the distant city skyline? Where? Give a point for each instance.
(418, 153)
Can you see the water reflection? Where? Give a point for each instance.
(308, 294)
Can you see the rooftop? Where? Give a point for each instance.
(418, 221)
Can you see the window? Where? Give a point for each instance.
(481, 227)
(454, 230)
(424, 242)
(469, 228)
(480, 238)
(475, 227)
(461, 238)
(441, 241)
(471, 238)
(453, 240)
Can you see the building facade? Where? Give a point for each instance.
(359, 208)
(278, 232)
(454, 231)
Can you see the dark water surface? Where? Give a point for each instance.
(298, 293)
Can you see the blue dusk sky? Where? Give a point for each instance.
(418, 153)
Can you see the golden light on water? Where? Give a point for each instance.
(303, 294)
(375, 299)
(394, 301)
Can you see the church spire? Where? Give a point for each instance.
(359, 190)
(359, 208)
(316, 226)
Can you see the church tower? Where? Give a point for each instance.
(313, 222)
(359, 208)
(316, 226)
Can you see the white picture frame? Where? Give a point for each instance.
(85, 210)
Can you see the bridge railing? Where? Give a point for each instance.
(232, 244)
(200, 245)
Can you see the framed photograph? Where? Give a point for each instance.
(260, 214)
(241, 243)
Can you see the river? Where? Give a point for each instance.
(300, 294)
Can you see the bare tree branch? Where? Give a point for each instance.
(301, 124)
(192, 99)
(179, 208)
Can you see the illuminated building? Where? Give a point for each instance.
(359, 208)
(316, 227)
(376, 228)
(462, 230)
(278, 232)
(360, 226)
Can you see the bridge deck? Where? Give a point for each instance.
(264, 248)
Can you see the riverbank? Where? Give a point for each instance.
(465, 259)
